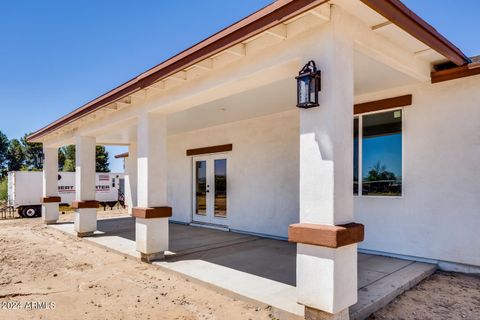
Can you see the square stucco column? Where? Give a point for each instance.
(326, 237)
(152, 211)
(85, 204)
(131, 177)
(50, 198)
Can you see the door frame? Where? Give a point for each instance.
(210, 217)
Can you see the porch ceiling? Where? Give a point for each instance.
(408, 38)
(272, 98)
(374, 76)
(369, 76)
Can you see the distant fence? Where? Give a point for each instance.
(12, 213)
(8, 213)
(112, 204)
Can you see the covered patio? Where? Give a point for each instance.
(217, 136)
(259, 269)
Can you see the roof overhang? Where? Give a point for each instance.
(399, 14)
(258, 22)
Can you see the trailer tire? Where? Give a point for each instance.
(30, 212)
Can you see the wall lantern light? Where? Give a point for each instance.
(308, 86)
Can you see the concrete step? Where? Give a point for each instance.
(380, 293)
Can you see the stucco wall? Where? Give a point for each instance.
(262, 172)
(438, 216)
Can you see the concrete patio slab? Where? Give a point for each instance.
(257, 269)
(261, 291)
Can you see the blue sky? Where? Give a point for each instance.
(56, 55)
(386, 149)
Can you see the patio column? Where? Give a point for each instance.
(131, 177)
(50, 198)
(85, 204)
(152, 211)
(326, 236)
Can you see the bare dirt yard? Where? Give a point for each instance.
(441, 296)
(51, 275)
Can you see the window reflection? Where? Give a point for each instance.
(355, 156)
(201, 187)
(220, 167)
(382, 154)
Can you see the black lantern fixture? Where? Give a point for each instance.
(308, 86)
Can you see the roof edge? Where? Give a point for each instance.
(252, 25)
(267, 17)
(398, 13)
(457, 72)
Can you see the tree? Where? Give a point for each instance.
(69, 166)
(33, 154)
(61, 159)
(69, 155)
(3, 190)
(15, 156)
(102, 164)
(380, 172)
(3, 154)
(381, 181)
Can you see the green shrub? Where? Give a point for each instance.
(3, 190)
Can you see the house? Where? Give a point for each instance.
(389, 156)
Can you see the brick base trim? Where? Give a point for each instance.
(54, 199)
(326, 235)
(150, 213)
(88, 204)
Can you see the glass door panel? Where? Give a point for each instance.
(220, 185)
(201, 187)
(210, 189)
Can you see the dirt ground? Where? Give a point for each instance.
(441, 296)
(50, 275)
(59, 277)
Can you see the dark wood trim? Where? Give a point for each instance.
(150, 213)
(454, 73)
(383, 104)
(326, 235)
(396, 12)
(121, 155)
(53, 199)
(87, 204)
(212, 149)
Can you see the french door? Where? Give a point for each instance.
(210, 189)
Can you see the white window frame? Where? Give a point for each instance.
(360, 154)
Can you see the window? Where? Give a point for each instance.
(377, 153)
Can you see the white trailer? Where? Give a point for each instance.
(25, 190)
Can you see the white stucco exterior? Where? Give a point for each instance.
(262, 172)
(439, 213)
(435, 218)
(256, 86)
(290, 165)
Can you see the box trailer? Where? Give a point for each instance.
(25, 190)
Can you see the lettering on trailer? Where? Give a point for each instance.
(103, 177)
(67, 189)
